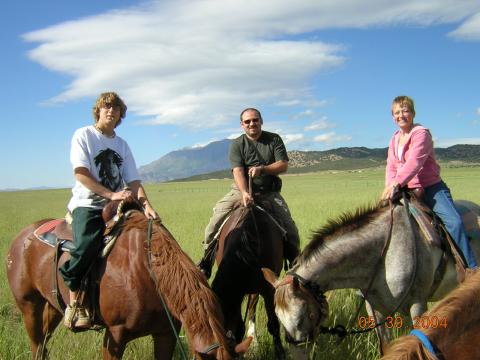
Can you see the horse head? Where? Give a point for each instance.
(299, 306)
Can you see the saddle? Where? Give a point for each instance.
(436, 234)
(236, 218)
(57, 233)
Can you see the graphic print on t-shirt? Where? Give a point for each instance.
(108, 163)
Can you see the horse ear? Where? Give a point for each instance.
(243, 346)
(270, 276)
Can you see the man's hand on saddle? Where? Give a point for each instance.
(122, 194)
(149, 212)
(255, 171)
(247, 199)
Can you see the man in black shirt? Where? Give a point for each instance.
(262, 156)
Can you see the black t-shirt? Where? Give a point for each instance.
(266, 150)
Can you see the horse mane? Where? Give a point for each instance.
(347, 221)
(183, 287)
(462, 331)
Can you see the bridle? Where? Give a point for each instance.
(312, 289)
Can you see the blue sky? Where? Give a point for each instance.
(323, 73)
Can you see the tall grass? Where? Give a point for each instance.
(185, 209)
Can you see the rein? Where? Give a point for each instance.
(169, 315)
(155, 280)
(384, 250)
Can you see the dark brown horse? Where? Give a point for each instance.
(134, 277)
(250, 239)
(452, 327)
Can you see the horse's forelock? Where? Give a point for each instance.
(281, 298)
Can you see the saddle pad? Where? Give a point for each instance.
(47, 227)
(425, 225)
(45, 234)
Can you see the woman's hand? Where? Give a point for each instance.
(389, 191)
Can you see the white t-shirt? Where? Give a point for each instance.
(109, 160)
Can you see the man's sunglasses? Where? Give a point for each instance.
(254, 120)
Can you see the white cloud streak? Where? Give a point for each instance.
(321, 124)
(177, 61)
(331, 138)
(291, 138)
(469, 30)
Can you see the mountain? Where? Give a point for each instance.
(212, 161)
(188, 162)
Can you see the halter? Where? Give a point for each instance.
(427, 344)
(313, 289)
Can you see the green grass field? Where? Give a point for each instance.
(185, 209)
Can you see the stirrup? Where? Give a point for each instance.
(77, 317)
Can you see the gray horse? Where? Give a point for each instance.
(355, 251)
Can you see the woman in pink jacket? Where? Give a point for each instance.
(411, 162)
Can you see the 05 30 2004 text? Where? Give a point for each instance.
(396, 322)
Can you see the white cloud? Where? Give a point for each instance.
(178, 61)
(331, 138)
(203, 144)
(291, 138)
(303, 114)
(303, 102)
(321, 124)
(234, 135)
(478, 111)
(469, 30)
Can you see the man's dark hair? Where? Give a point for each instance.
(251, 109)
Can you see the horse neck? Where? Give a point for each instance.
(185, 292)
(347, 259)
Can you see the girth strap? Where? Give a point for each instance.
(55, 290)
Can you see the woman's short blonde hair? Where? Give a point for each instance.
(111, 98)
(404, 100)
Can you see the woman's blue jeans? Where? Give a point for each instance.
(439, 199)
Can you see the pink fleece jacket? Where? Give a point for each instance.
(417, 166)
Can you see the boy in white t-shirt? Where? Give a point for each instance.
(103, 166)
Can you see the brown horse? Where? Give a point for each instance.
(133, 278)
(249, 240)
(452, 327)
